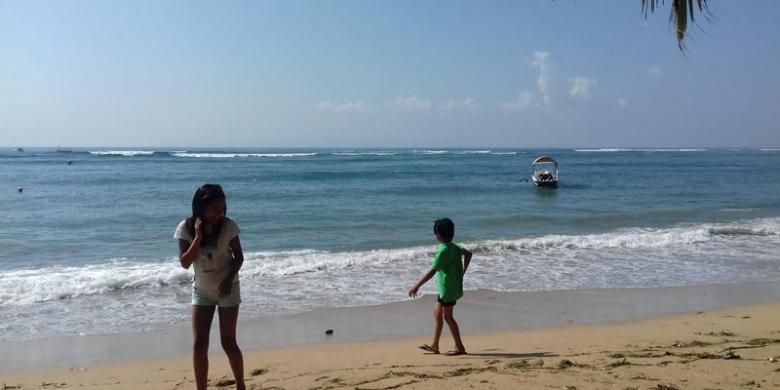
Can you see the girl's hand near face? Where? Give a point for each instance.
(198, 229)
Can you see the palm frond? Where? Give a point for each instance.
(681, 13)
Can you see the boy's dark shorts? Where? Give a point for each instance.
(445, 304)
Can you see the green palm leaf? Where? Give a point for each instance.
(682, 11)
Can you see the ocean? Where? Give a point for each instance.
(88, 248)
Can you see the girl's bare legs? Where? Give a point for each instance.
(201, 325)
(228, 321)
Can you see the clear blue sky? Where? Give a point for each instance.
(528, 73)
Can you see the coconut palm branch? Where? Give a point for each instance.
(682, 12)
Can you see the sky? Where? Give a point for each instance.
(404, 73)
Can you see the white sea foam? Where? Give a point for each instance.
(377, 153)
(242, 155)
(461, 152)
(671, 150)
(26, 286)
(613, 150)
(126, 295)
(473, 152)
(601, 150)
(125, 153)
(431, 151)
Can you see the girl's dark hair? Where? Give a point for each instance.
(445, 228)
(204, 196)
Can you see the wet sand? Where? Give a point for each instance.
(589, 339)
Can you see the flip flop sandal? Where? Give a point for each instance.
(428, 348)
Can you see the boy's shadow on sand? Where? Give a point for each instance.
(510, 355)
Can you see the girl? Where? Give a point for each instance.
(209, 241)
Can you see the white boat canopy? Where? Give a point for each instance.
(545, 160)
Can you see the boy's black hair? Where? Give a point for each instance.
(445, 228)
(204, 196)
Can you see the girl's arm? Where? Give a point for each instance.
(425, 279)
(188, 252)
(466, 259)
(238, 257)
(238, 260)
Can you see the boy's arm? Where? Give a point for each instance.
(466, 260)
(425, 279)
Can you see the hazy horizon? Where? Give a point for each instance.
(690, 148)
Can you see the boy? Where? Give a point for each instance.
(449, 272)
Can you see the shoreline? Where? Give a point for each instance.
(479, 312)
(738, 347)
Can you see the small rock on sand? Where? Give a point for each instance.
(258, 371)
(226, 382)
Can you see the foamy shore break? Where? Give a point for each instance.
(589, 339)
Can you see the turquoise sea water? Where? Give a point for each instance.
(88, 247)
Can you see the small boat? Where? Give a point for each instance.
(545, 172)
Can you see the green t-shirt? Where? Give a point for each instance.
(449, 271)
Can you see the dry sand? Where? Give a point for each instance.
(734, 348)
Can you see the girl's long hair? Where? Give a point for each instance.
(204, 196)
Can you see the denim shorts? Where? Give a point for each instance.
(202, 297)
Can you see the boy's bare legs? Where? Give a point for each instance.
(201, 325)
(439, 324)
(447, 313)
(228, 320)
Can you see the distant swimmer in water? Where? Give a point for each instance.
(20, 190)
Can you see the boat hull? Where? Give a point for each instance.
(547, 184)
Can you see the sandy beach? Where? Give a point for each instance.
(727, 348)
